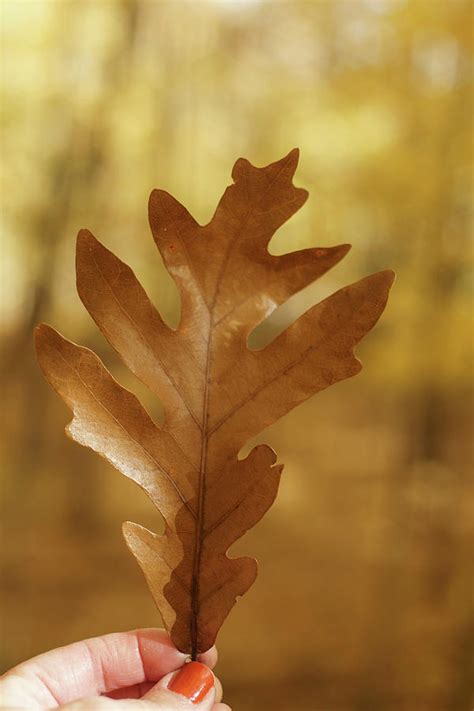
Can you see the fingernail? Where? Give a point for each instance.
(193, 680)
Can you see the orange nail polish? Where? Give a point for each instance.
(193, 680)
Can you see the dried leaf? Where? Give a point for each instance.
(217, 393)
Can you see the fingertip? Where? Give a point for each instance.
(210, 657)
(218, 688)
(194, 681)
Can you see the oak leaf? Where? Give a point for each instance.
(216, 392)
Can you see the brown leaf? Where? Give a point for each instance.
(217, 393)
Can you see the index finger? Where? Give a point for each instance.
(95, 666)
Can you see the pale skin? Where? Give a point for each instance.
(125, 671)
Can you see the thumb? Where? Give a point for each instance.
(191, 687)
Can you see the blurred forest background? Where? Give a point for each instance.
(364, 596)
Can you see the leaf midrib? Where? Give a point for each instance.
(200, 516)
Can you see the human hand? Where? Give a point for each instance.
(126, 671)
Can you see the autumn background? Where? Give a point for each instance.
(363, 598)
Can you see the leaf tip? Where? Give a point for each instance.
(127, 528)
(42, 332)
(88, 251)
(153, 197)
(357, 366)
(333, 254)
(241, 167)
(294, 156)
(167, 216)
(344, 249)
(304, 195)
(130, 534)
(39, 328)
(158, 200)
(47, 340)
(287, 165)
(384, 280)
(154, 205)
(390, 276)
(85, 239)
(268, 454)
